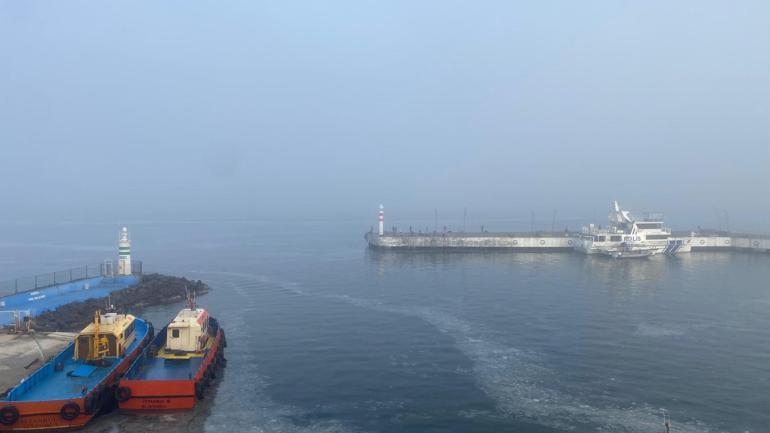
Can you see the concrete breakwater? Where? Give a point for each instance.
(552, 242)
(535, 241)
(151, 289)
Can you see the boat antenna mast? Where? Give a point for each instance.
(108, 306)
(191, 303)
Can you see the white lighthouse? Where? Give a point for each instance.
(124, 253)
(382, 220)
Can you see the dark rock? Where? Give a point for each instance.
(152, 289)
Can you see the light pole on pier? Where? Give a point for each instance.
(727, 220)
(553, 221)
(532, 221)
(382, 220)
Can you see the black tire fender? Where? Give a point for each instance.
(70, 411)
(123, 393)
(92, 402)
(9, 415)
(199, 391)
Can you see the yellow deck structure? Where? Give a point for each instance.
(109, 335)
(176, 355)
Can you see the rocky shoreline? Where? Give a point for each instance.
(152, 289)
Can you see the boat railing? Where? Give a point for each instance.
(651, 217)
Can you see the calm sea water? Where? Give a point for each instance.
(328, 336)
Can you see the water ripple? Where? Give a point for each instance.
(516, 380)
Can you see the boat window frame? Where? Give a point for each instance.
(658, 237)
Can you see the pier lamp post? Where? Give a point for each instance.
(382, 220)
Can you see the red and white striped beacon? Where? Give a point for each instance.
(382, 220)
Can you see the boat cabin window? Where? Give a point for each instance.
(657, 236)
(615, 238)
(129, 329)
(174, 333)
(83, 347)
(85, 343)
(648, 226)
(601, 238)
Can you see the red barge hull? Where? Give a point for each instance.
(141, 391)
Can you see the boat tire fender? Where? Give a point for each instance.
(9, 415)
(123, 393)
(70, 411)
(199, 391)
(93, 402)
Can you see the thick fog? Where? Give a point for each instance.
(185, 110)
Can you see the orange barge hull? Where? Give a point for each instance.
(71, 413)
(161, 395)
(46, 415)
(148, 395)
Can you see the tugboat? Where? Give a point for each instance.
(72, 388)
(173, 372)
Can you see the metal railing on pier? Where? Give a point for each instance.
(41, 281)
(720, 233)
(535, 234)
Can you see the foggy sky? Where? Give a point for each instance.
(300, 110)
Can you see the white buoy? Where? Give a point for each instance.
(124, 253)
(382, 220)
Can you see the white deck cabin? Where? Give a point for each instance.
(188, 332)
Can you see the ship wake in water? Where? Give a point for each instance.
(517, 381)
(249, 407)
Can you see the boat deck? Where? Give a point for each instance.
(169, 369)
(172, 366)
(48, 384)
(60, 386)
